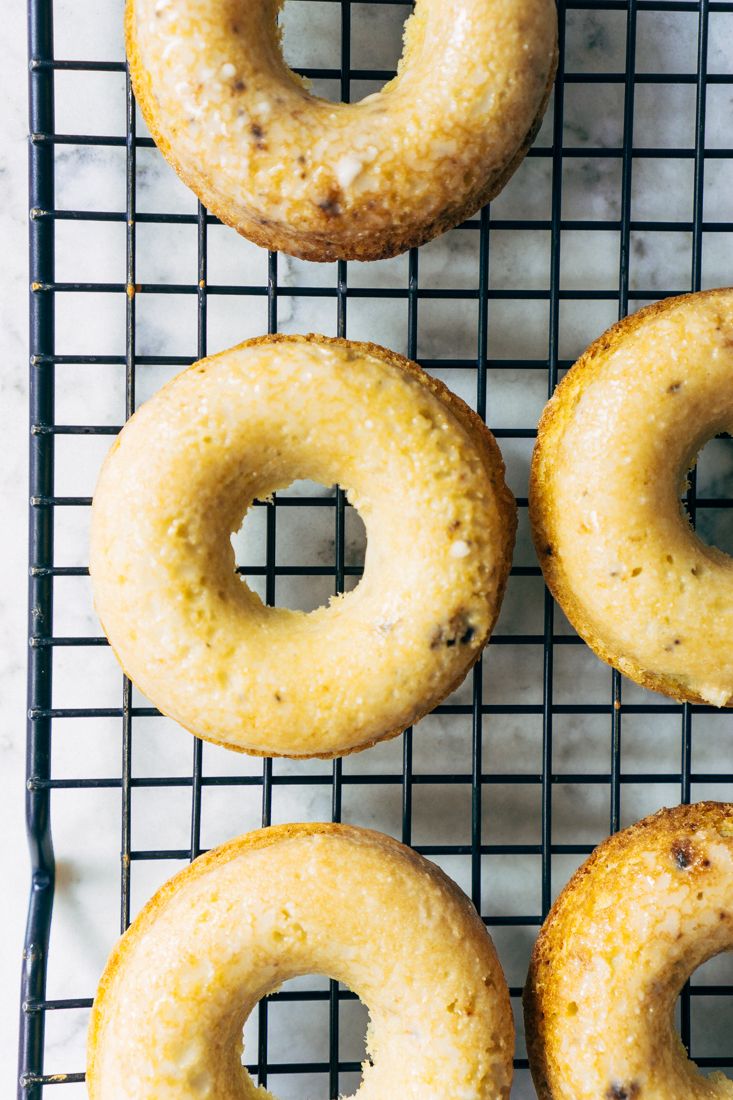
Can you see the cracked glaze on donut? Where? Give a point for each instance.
(428, 480)
(614, 447)
(293, 900)
(328, 180)
(650, 905)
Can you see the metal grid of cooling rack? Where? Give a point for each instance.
(479, 709)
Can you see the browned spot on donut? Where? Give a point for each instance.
(548, 551)
(239, 86)
(723, 915)
(278, 697)
(674, 388)
(454, 525)
(258, 134)
(672, 644)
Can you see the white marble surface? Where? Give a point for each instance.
(13, 547)
(86, 823)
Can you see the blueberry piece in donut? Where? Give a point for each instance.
(623, 1092)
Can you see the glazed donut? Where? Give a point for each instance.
(427, 478)
(613, 449)
(650, 905)
(328, 181)
(293, 900)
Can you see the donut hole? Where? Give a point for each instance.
(314, 37)
(296, 1022)
(710, 1015)
(713, 488)
(301, 536)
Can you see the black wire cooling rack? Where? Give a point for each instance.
(481, 715)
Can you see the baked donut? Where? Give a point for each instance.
(329, 181)
(427, 478)
(650, 905)
(293, 900)
(613, 449)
